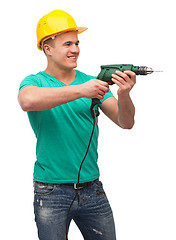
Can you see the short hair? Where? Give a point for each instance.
(48, 41)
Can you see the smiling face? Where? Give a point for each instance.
(63, 51)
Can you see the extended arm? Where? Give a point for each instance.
(33, 98)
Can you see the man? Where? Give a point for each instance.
(58, 102)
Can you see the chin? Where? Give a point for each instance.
(70, 65)
(73, 65)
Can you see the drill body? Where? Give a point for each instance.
(108, 70)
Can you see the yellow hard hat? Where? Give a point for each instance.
(55, 22)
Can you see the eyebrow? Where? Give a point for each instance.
(71, 42)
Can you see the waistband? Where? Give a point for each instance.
(76, 186)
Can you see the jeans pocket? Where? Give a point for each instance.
(41, 189)
(98, 184)
(99, 188)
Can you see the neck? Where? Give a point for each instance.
(64, 75)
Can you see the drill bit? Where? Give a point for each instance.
(150, 70)
(157, 71)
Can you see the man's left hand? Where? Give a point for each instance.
(125, 80)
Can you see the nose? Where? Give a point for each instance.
(74, 48)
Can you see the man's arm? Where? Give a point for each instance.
(33, 98)
(122, 111)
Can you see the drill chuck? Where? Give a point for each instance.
(143, 70)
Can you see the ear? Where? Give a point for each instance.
(47, 49)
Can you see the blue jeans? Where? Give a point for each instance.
(91, 211)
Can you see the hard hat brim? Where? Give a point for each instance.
(77, 29)
(81, 29)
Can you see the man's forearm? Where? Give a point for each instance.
(34, 98)
(126, 112)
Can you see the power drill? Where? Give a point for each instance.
(108, 70)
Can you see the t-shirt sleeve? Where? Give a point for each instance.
(30, 80)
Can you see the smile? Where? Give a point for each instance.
(73, 57)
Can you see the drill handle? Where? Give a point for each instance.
(104, 75)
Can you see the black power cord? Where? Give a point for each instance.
(95, 114)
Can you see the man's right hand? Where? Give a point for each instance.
(94, 88)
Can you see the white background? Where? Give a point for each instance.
(137, 166)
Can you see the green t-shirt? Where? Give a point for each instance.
(63, 135)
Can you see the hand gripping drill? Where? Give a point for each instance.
(108, 70)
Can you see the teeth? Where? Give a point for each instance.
(71, 57)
